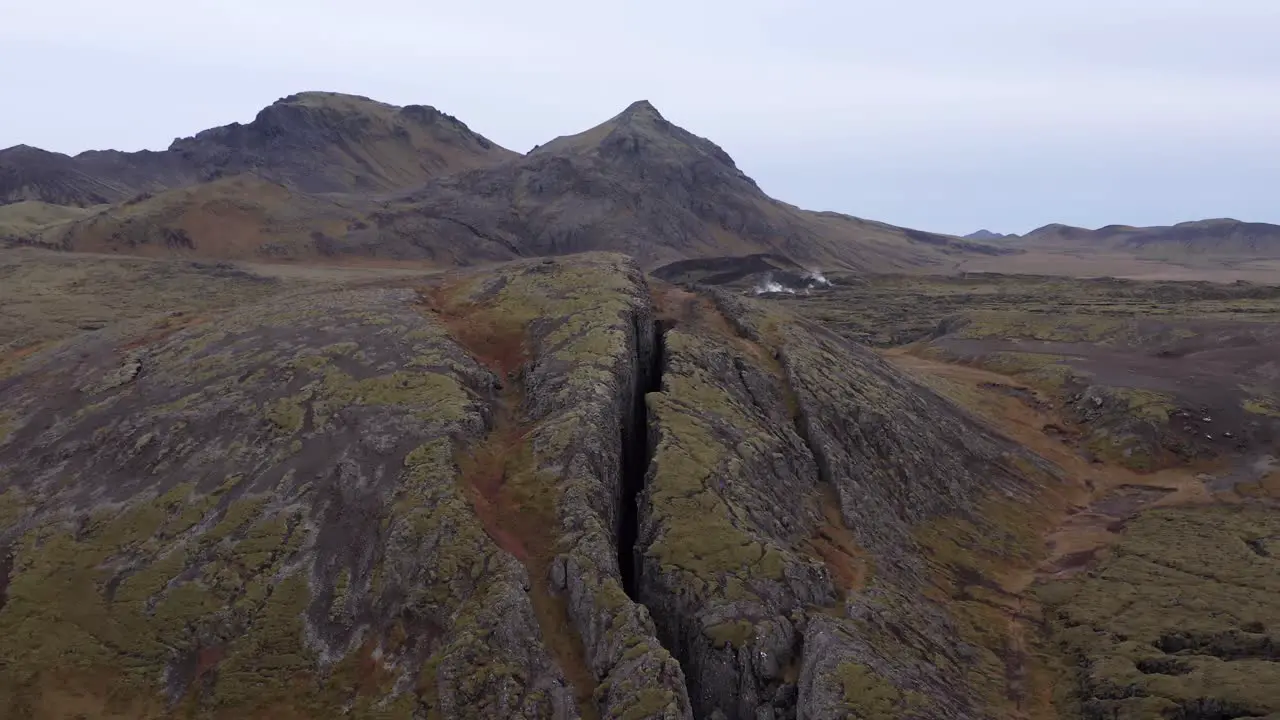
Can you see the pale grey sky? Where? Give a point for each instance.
(941, 115)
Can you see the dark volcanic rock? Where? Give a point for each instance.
(397, 503)
(1180, 620)
(747, 269)
(986, 235)
(525, 492)
(243, 505)
(326, 142)
(793, 524)
(588, 326)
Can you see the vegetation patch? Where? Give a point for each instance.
(868, 695)
(510, 476)
(1262, 406)
(124, 597)
(700, 536)
(1178, 617)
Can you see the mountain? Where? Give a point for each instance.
(640, 185)
(314, 142)
(94, 178)
(329, 142)
(333, 177)
(985, 234)
(1225, 237)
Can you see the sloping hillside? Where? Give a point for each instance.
(32, 215)
(236, 217)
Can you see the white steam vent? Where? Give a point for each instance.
(769, 285)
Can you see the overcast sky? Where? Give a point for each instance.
(941, 115)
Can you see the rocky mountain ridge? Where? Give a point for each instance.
(640, 185)
(367, 180)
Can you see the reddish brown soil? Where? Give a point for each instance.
(526, 531)
(1090, 509)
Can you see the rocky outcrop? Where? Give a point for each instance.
(743, 271)
(727, 509)
(28, 173)
(790, 528)
(986, 235)
(586, 328)
(532, 491)
(397, 502)
(264, 513)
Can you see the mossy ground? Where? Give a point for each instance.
(979, 564)
(869, 696)
(194, 568)
(1179, 619)
(127, 593)
(52, 296)
(571, 322)
(891, 310)
(1267, 407)
(194, 596)
(708, 431)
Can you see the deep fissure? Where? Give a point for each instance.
(636, 453)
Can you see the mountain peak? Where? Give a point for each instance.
(323, 98)
(22, 150)
(1058, 228)
(1210, 222)
(639, 131)
(641, 108)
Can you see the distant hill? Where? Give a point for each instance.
(1225, 237)
(314, 142)
(985, 234)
